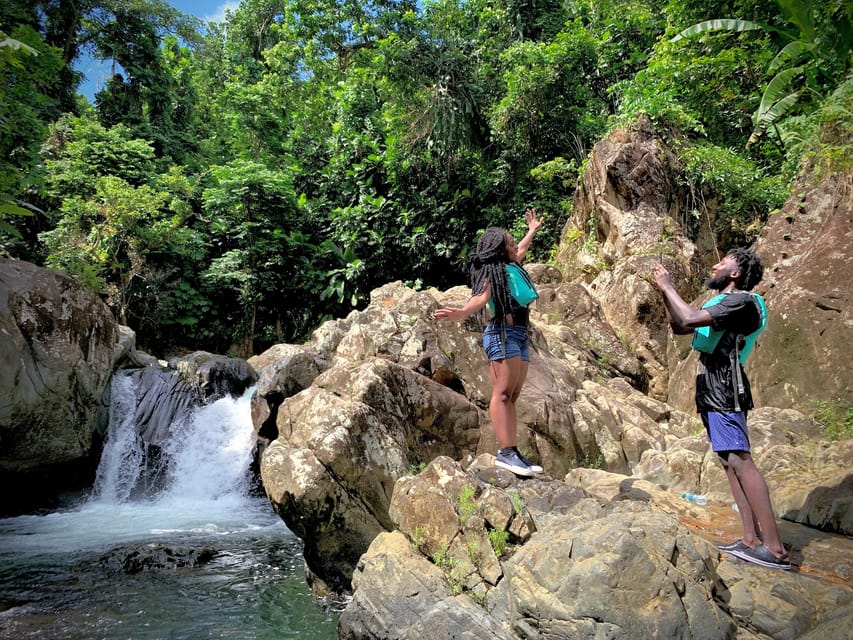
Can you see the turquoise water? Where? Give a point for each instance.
(55, 584)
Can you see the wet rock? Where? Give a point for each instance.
(154, 556)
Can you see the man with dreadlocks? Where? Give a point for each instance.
(499, 280)
(725, 329)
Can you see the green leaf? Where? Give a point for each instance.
(791, 51)
(779, 108)
(773, 93)
(727, 24)
(13, 209)
(10, 230)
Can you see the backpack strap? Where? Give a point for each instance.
(749, 340)
(737, 374)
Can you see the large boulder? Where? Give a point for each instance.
(58, 346)
(285, 370)
(388, 389)
(400, 595)
(574, 324)
(631, 573)
(342, 445)
(627, 216)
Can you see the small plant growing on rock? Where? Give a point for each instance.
(416, 468)
(448, 565)
(473, 551)
(479, 597)
(418, 537)
(441, 559)
(590, 461)
(498, 538)
(465, 502)
(835, 417)
(517, 501)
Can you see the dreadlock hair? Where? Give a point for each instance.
(751, 269)
(487, 267)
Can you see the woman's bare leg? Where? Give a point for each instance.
(507, 377)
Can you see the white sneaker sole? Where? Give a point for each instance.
(519, 471)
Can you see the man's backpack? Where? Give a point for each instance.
(705, 339)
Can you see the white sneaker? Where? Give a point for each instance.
(513, 461)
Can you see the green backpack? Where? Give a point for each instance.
(705, 339)
(521, 287)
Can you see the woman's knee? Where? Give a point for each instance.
(504, 396)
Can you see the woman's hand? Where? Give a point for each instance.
(474, 304)
(449, 313)
(533, 222)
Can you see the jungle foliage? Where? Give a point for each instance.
(234, 184)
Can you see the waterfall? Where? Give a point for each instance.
(206, 456)
(124, 452)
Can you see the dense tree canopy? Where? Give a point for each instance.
(234, 184)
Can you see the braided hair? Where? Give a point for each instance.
(750, 267)
(487, 267)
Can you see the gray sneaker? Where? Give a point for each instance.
(512, 461)
(535, 468)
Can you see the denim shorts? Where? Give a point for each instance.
(516, 342)
(726, 430)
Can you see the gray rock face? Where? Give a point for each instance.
(395, 583)
(806, 351)
(57, 345)
(629, 574)
(285, 370)
(343, 444)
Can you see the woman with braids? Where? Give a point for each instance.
(725, 330)
(499, 280)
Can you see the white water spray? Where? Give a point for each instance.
(211, 451)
